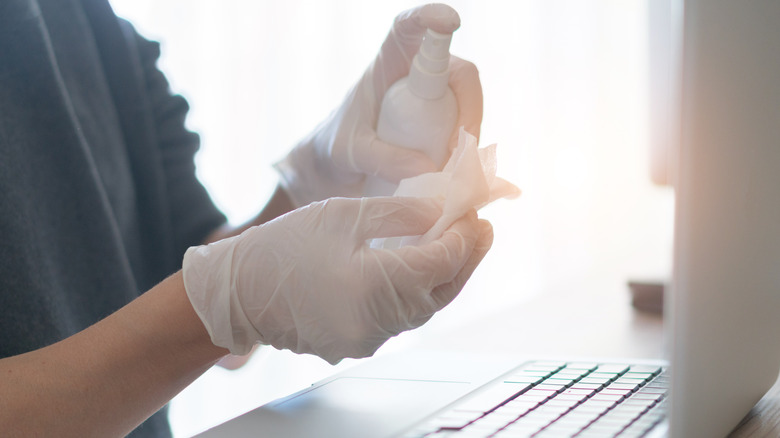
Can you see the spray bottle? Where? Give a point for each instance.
(419, 111)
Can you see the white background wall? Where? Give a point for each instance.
(565, 88)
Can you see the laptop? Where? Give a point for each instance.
(721, 309)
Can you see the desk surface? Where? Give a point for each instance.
(764, 419)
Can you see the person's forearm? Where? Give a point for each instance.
(278, 205)
(107, 379)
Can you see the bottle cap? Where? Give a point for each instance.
(434, 54)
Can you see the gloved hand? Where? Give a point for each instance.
(334, 159)
(308, 281)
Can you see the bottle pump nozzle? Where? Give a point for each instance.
(429, 74)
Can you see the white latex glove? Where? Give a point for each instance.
(308, 282)
(334, 159)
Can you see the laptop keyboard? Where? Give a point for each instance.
(557, 399)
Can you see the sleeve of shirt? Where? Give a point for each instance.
(192, 212)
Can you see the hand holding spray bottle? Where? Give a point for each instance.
(419, 111)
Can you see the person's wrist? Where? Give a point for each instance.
(194, 333)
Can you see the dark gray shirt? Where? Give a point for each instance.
(98, 194)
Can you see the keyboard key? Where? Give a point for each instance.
(597, 432)
(638, 403)
(663, 376)
(652, 369)
(580, 416)
(556, 431)
(578, 391)
(553, 409)
(587, 386)
(545, 386)
(546, 369)
(639, 395)
(630, 380)
(636, 430)
(556, 379)
(623, 386)
(644, 376)
(570, 397)
(621, 392)
(548, 363)
(646, 390)
(511, 411)
(613, 398)
(596, 405)
(570, 373)
(597, 374)
(495, 421)
(611, 423)
(582, 366)
(519, 405)
(628, 413)
(524, 378)
(480, 428)
(539, 417)
(568, 403)
(655, 384)
(621, 416)
(517, 430)
(602, 381)
(537, 395)
(540, 373)
(612, 368)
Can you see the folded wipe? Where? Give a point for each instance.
(467, 181)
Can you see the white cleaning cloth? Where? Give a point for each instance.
(467, 181)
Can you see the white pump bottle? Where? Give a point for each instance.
(419, 111)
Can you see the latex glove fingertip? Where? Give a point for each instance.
(437, 16)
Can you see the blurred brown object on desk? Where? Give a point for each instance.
(647, 296)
